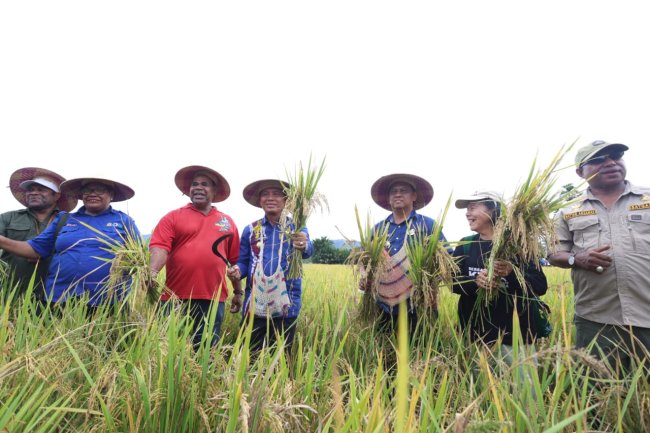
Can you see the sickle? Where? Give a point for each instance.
(215, 248)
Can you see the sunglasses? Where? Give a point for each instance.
(597, 160)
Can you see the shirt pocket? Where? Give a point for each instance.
(116, 232)
(18, 231)
(586, 232)
(638, 225)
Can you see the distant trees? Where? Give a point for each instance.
(570, 191)
(326, 253)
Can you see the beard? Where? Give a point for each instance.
(39, 205)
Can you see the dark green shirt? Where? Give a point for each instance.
(21, 225)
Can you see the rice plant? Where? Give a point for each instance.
(369, 260)
(302, 199)
(431, 267)
(525, 229)
(63, 372)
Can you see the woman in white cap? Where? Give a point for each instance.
(263, 261)
(76, 242)
(489, 320)
(37, 189)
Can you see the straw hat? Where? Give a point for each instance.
(253, 190)
(381, 188)
(184, 177)
(21, 179)
(73, 187)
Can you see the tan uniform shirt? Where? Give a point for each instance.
(621, 294)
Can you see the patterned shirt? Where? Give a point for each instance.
(249, 252)
(414, 226)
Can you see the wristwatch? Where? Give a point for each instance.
(571, 260)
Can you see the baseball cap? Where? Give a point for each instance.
(590, 150)
(463, 202)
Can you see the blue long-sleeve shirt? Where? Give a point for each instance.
(249, 252)
(80, 260)
(415, 225)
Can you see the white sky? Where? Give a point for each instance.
(463, 93)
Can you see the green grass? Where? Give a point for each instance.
(61, 373)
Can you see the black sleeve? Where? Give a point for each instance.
(463, 283)
(534, 278)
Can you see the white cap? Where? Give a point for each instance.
(463, 202)
(40, 181)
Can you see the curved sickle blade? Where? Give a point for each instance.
(215, 248)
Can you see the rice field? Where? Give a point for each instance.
(137, 372)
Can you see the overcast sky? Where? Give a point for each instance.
(463, 93)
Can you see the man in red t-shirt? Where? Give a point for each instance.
(182, 241)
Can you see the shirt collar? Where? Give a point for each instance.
(391, 217)
(629, 188)
(191, 206)
(82, 211)
(265, 221)
(55, 211)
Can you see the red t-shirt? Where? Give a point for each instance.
(193, 270)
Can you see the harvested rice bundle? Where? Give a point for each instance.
(130, 264)
(302, 199)
(525, 228)
(370, 260)
(431, 266)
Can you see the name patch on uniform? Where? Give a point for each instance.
(572, 215)
(639, 206)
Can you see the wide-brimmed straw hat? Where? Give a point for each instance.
(253, 190)
(73, 187)
(186, 175)
(463, 202)
(21, 179)
(381, 188)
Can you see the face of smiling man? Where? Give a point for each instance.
(402, 198)
(40, 198)
(272, 201)
(202, 192)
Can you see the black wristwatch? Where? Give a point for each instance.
(571, 260)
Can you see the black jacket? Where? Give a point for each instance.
(487, 321)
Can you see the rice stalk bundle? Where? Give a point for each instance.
(302, 199)
(525, 231)
(369, 260)
(131, 262)
(431, 266)
(130, 266)
(4, 270)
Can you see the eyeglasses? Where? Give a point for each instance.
(597, 160)
(95, 189)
